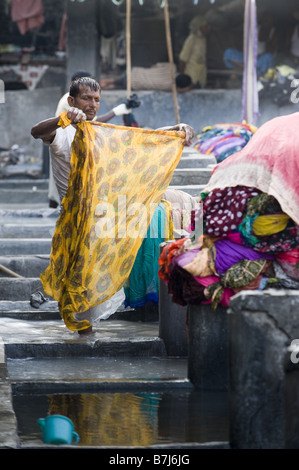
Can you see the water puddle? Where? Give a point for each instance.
(129, 419)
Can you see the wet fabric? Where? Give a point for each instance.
(117, 178)
(142, 285)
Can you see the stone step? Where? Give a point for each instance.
(24, 184)
(24, 196)
(191, 176)
(25, 246)
(193, 190)
(20, 212)
(26, 231)
(196, 162)
(51, 338)
(27, 266)
(15, 289)
(29, 206)
(23, 310)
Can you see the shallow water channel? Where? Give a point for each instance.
(123, 402)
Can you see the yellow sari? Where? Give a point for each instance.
(117, 178)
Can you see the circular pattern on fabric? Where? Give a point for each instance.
(56, 242)
(113, 166)
(103, 190)
(166, 158)
(113, 144)
(126, 265)
(140, 164)
(148, 145)
(107, 261)
(100, 142)
(149, 174)
(76, 280)
(100, 174)
(129, 156)
(59, 265)
(104, 283)
(95, 157)
(119, 183)
(127, 137)
(101, 250)
(129, 242)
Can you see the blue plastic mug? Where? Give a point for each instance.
(58, 429)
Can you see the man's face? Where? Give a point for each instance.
(88, 100)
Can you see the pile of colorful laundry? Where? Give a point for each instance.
(250, 224)
(222, 140)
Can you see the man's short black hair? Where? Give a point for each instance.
(87, 82)
(79, 75)
(182, 80)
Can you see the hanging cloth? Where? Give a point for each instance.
(28, 14)
(117, 178)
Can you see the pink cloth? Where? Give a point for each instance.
(28, 14)
(227, 292)
(268, 162)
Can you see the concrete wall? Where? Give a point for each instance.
(199, 108)
(21, 110)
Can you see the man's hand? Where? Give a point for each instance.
(189, 131)
(121, 109)
(76, 115)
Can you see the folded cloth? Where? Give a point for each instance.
(237, 276)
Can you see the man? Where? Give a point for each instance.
(63, 105)
(193, 57)
(84, 101)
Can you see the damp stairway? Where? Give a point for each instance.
(39, 354)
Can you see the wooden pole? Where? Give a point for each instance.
(9, 272)
(170, 58)
(128, 46)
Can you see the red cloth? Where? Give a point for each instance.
(269, 162)
(28, 14)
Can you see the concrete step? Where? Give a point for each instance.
(27, 231)
(24, 184)
(16, 289)
(20, 213)
(196, 161)
(25, 246)
(24, 196)
(193, 190)
(51, 338)
(29, 206)
(23, 310)
(27, 266)
(191, 176)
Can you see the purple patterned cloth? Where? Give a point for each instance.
(229, 253)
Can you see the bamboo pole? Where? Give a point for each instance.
(128, 46)
(171, 62)
(8, 271)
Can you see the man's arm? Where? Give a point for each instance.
(117, 111)
(189, 131)
(46, 130)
